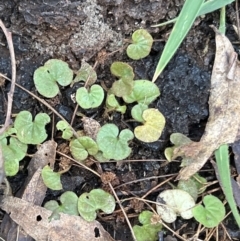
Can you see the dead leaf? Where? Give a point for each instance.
(224, 108)
(35, 222)
(91, 127)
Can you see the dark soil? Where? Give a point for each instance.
(72, 30)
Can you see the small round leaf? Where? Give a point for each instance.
(144, 91)
(28, 131)
(46, 77)
(112, 104)
(141, 46)
(210, 215)
(90, 99)
(67, 132)
(51, 179)
(137, 112)
(122, 70)
(112, 144)
(97, 199)
(82, 146)
(175, 203)
(151, 130)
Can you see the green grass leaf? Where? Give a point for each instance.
(141, 46)
(183, 24)
(97, 199)
(222, 159)
(46, 77)
(210, 215)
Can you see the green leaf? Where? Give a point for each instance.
(28, 131)
(148, 230)
(153, 126)
(175, 203)
(207, 7)
(144, 91)
(85, 73)
(82, 146)
(168, 152)
(210, 215)
(122, 70)
(46, 77)
(223, 166)
(189, 186)
(51, 179)
(97, 199)
(183, 24)
(13, 152)
(200, 182)
(112, 144)
(90, 99)
(141, 46)
(178, 139)
(113, 105)
(137, 112)
(67, 132)
(68, 204)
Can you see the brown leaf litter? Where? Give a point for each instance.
(224, 109)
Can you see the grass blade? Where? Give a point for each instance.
(184, 22)
(222, 159)
(207, 7)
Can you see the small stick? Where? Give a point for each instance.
(11, 91)
(237, 17)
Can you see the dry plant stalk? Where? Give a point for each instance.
(224, 108)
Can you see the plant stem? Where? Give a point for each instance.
(222, 26)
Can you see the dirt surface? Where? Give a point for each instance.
(75, 30)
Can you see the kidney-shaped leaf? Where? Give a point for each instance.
(151, 130)
(68, 205)
(82, 146)
(122, 70)
(90, 99)
(210, 215)
(51, 179)
(144, 91)
(46, 77)
(148, 230)
(97, 199)
(86, 73)
(141, 46)
(28, 131)
(112, 144)
(13, 152)
(175, 203)
(63, 126)
(137, 112)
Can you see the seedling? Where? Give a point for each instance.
(86, 73)
(113, 105)
(210, 215)
(67, 132)
(82, 147)
(51, 179)
(144, 91)
(137, 112)
(125, 84)
(46, 77)
(13, 151)
(141, 46)
(90, 203)
(175, 203)
(90, 98)
(114, 145)
(28, 131)
(68, 205)
(150, 227)
(152, 127)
